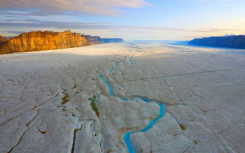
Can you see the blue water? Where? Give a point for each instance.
(111, 69)
(128, 143)
(123, 99)
(126, 136)
(130, 62)
(108, 85)
(142, 98)
(152, 122)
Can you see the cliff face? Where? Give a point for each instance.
(93, 39)
(3, 39)
(230, 42)
(112, 40)
(38, 40)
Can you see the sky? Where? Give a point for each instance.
(127, 19)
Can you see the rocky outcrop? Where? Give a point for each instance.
(229, 42)
(112, 40)
(3, 39)
(93, 39)
(38, 40)
(47, 40)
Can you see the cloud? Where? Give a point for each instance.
(77, 25)
(14, 32)
(214, 30)
(37, 24)
(96, 7)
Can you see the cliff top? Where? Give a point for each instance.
(231, 36)
(47, 32)
(222, 41)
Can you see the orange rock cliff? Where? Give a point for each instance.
(3, 39)
(38, 40)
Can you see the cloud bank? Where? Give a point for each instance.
(98, 26)
(96, 7)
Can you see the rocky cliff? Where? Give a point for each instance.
(38, 40)
(112, 40)
(93, 39)
(3, 39)
(229, 42)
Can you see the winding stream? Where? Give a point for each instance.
(126, 136)
(130, 62)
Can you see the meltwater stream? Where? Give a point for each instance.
(126, 136)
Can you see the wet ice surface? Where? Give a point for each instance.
(126, 136)
(45, 99)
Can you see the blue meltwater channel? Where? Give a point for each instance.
(126, 136)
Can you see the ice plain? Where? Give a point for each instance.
(54, 101)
